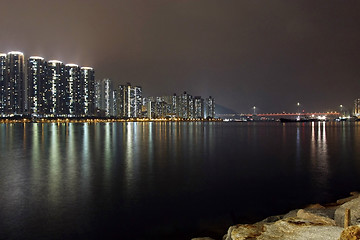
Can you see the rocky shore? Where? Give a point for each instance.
(314, 222)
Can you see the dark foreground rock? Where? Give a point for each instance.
(351, 233)
(311, 223)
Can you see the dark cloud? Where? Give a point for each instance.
(271, 54)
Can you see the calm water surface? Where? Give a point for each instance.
(166, 180)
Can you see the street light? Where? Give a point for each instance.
(341, 109)
(298, 107)
(254, 110)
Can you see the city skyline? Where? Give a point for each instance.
(37, 88)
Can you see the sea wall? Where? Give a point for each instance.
(324, 222)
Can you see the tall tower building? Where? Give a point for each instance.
(37, 85)
(106, 96)
(198, 107)
(73, 90)
(121, 94)
(15, 84)
(3, 76)
(129, 101)
(97, 97)
(191, 109)
(87, 96)
(183, 110)
(210, 107)
(174, 103)
(138, 101)
(56, 95)
(357, 107)
(113, 104)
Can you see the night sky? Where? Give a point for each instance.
(271, 54)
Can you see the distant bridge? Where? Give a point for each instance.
(280, 115)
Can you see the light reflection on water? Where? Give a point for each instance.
(81, 180)
(319, 155)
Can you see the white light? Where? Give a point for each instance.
(36, 57)
(87, 68)
(54, 61)
(72, 65)
(2, 54)
(16, 53)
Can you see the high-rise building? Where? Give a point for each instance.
(56, 89)
(191, 113)
(183, 108)
(171, 102)
(198, 107)
(113, 103)
(147, 105)
(15, 84)
(138, 101)
(37, 86)
(87, 98)
(357, 107)
(129, 101)
(97, 97)
(73, 90)
(210, 107)
(3, 75)
(105, 96)
(121, 94)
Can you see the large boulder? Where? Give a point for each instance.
(304, 226)
(354, 206)
(298, 229)
(244, 231)
(315, 219)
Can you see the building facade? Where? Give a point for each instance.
(357, 107)
(198, 107)
(129, 101)
(210, 107)
(15, 84)
(56, 97)
(105, 100)
(87, 97)
(37, 88)
(3, 77)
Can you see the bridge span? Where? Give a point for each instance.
(281, 115)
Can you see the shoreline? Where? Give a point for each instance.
(331, 221)
(21, 119)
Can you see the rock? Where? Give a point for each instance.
(350, 233)
(305, 226)
(273, 219)
(315, 206)
(315, 219)
(297, 229)
(244, 231)
(291, 214)
(354, 206)
(326, 212)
